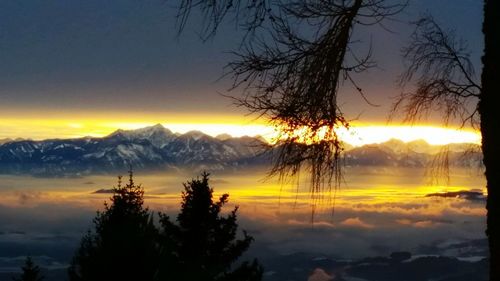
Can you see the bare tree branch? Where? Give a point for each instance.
(444, 76)
(291, 71)
(439, 64)
(247, 14)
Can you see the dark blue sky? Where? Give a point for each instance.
(63, 56)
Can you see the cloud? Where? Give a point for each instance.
(24, 198)
(311, 224)
(320, 275)
(424, 223)
(104, 191)
(472, 195)
(361, 225)
(404, 221)
(356, 222)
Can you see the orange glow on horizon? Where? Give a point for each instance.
(357, 135)
(368, 193)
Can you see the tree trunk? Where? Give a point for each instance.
(490, 124)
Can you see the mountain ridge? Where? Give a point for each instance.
(158, 148)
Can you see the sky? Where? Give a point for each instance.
(71, 68)
(74, 68)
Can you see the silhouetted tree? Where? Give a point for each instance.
(292, 72)
(293, 80)
(446, 83)
(203, 245)
(123, 243)
(438, 63)
(31, 272)
(488, 108)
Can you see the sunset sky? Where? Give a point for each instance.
(77, 68)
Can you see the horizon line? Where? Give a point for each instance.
(356, 136)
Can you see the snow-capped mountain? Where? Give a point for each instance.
(396, 153)
(157, 148)
(158, 135)
(6, 140)
(152, 148)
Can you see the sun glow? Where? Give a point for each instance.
(370, 134)
(360, 135)
(356, 135)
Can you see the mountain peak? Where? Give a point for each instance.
(117, 132)
(154, 128)
(394, 141)
(156, 134)
(418, 142)
(223, 137)
(157, 126)
(144, 132)
(195, 134)
(6, 140)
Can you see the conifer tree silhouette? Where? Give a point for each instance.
(123, 244)
(31, 272)
(203, 245)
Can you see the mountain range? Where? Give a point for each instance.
(157, 148)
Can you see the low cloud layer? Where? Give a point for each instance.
(51, 220)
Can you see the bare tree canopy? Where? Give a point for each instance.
(441, 79)
(445, 78)
(445, 82)
(294, 58)
(291, 76)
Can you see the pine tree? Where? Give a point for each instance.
(31, 272)
(123, 244)
(203, 245)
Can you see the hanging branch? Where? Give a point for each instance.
(291, 69)
(445, 82)
(444, 75)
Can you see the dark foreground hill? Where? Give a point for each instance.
(302, 266)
